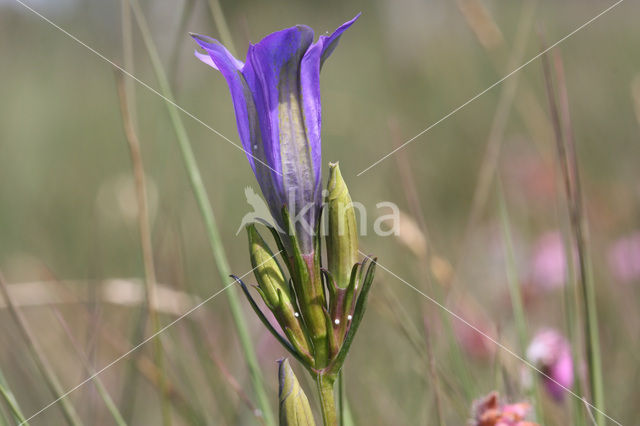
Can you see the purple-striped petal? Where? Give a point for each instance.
(276, 96)
(329, 43)
(275, 62)
(246, 110)
(230, 67)
(204, 57)
(310, 67)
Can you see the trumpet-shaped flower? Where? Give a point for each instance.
(276, 97)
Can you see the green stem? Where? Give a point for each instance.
(327, 399)
(516, 296)
(204, 205)
(572, 312)
(341, 397)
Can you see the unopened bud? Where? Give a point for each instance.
(294, 405)
(265, 268)
(342, 238)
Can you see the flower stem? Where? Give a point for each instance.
(327, 399)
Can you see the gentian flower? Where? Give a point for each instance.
(551, 353)
(276, 96)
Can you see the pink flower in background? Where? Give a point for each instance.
(489, 411)
(548, 270)
(624, 258)
(551, 353)
(475, 344)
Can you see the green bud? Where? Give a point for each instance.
(294, 405)
(342, 238)
(274, 290)
(266, 269)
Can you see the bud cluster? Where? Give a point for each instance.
(318, 309)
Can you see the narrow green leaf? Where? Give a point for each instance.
(268, 325)
(204, 204)
(358, 314)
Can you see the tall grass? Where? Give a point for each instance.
(204, 205)
(569, 166)
(40, 357)
(145, 241)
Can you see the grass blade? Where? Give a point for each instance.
(39, 357)
(10, 400)
(144, 229)
(568, 164)
(102, 391)
(204, 205)
(516, 296)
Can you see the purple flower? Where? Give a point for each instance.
(276, 97)
(551, 353)
(624, 258)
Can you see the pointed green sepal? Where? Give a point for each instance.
(294, 405)
(287, 345)
(331, 332)
(347, 305)
(330, 284)
(356, 318)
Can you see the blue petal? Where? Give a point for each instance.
(310, 86)
(329, 43)
(230, 67)
(204, 57)
(273, 73)
(276, 96)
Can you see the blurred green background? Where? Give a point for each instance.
(67, 210)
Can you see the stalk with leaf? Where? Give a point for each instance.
(317, 302)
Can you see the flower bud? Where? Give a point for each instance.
(275, 293)
(294, 405)
(342, 237)
(266, 269)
